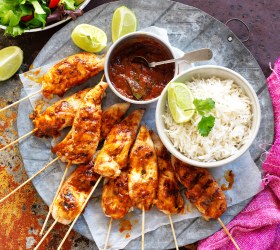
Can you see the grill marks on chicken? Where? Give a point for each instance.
(115, 199)
(143, 174)
(58, 116)
(201, 189)
(169, 199)
(74, 193)
(114, 154)
(81, 142)
(61, 115)
(111, 116)
(71, 71)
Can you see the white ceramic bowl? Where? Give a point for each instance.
(207, 72)
(82, 6)
(122, 41)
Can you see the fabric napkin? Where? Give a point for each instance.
(257, 227)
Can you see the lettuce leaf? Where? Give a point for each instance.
(11, 12)
(68, 4)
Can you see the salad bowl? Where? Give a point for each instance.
(81, 6)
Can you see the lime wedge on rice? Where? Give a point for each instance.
(89, 38)
(124, 21)
(180, 101)
(10, 61)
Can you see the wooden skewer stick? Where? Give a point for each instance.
(82, 209)
(228, 233)
(56, 194)
(24, 98)
(108, 234)
(32, 177)
(143, 228)
(44, 237)
(20, 138)
(173, 232)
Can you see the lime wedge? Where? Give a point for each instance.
(180, 101)
(10, 61)
(124, 21)
(89, 38)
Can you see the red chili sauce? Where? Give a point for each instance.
(134, 79)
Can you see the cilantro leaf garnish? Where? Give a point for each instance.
(203, 106)
(206, 124)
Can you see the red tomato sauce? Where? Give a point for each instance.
(136, 80)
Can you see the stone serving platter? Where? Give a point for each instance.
(188, 29)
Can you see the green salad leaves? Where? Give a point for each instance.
(18, 15)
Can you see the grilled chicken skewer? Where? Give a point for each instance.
(73, 196)
(203, 191)
(69, 72)
(114, 154)
(115, 199)
(81, 142)
(112, 116)
(143, 174)
(58, 116)
(169, 199)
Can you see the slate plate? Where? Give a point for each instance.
(188, 29)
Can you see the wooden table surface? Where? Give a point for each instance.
(22, 214)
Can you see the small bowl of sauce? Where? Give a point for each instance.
(134, 81)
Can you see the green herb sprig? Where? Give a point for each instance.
(207, 122)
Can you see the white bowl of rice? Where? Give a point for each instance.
(237, 118)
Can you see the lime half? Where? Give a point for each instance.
(124, 21)
(10, 61)
(89, 38)
(180, 101)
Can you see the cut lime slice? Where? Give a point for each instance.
(180, 101)
(10, 61)
(89, 38)
(124, 21)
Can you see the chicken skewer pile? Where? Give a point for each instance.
(110, 116)
(115, 198)
(96, 95)
(68, 73)
(81, 142)
(129, 127)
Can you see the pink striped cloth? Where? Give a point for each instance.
(257, 227)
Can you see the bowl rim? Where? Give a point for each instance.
(168, 144)
(81, 6)
(113, 46)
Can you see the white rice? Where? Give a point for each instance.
(233, 120)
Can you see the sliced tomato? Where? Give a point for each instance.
(53, 3)
(27, 18)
